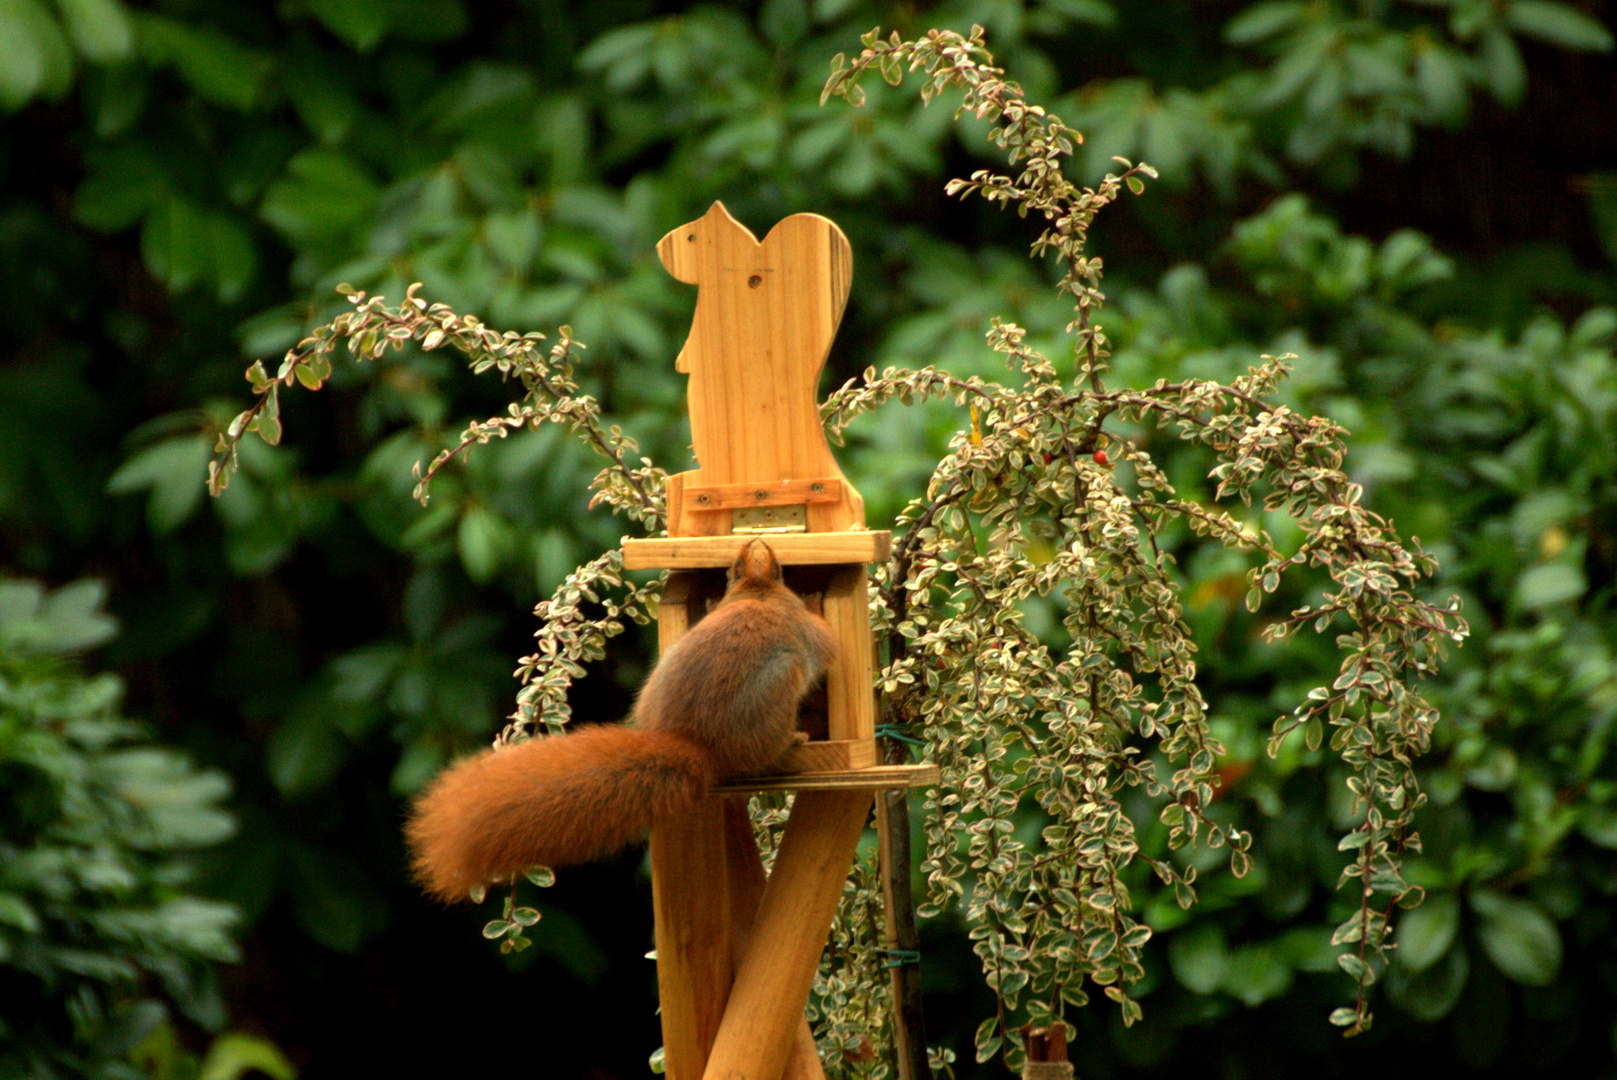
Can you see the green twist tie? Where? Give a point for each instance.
(901, 957)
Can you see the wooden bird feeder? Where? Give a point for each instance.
(736, 953)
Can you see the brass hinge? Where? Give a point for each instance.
(761, 520)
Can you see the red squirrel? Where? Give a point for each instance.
(721, 702)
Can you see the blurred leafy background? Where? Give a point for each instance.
(1419, 199)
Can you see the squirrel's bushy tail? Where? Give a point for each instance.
(553, 801)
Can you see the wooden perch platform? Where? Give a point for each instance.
(875, 777)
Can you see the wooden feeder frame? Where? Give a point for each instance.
(736, 952)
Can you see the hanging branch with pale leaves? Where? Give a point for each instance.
(595, 602)
(1050, 492)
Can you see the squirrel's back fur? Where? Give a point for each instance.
(722, 701)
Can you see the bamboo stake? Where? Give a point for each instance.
(903, 939)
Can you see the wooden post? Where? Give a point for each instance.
(690, 897)
(691, 904)
(1046, 1054)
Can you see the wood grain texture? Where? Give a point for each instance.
(851, 679)
(876, 777)
(690, 896)
(826, 755)
(756, 1036)
(746, 878)
(766, 314)
(780, 493)
(791, 549)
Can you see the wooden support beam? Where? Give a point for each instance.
(849, 681)
(690, 896)
(755, 1038)
(791, 549)
(691, 904)
(746, 878)
(827, 489)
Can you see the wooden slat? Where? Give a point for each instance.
(826, 489)
(791, 549)
(745, 874)
(690, 897)
(771, 987)
(878, 776)
(850, 680)
(695, 959)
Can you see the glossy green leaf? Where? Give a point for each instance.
(174, 244)
(361, 23)
(1440, 78)
(173, 471)
(322, 97)
(100, 28)
(234, 1055)
(122, 185)
(1432, 993)
(1425, 934)
(1502, 63)
(484, 540)
(1198, 958)
(1264, 20)
(1256, 973)
(304, 753)
(217, 67)
(1549, 584)
(1558, 24)
(513, 237)
(68, 619)
(784, 22)
(1599, 826)
(324, 192)
(1518, 937)
(37, 60)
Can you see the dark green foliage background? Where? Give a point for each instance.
(1419, 199)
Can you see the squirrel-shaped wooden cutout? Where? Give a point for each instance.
(766, 314)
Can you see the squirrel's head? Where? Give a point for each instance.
(756, 563)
